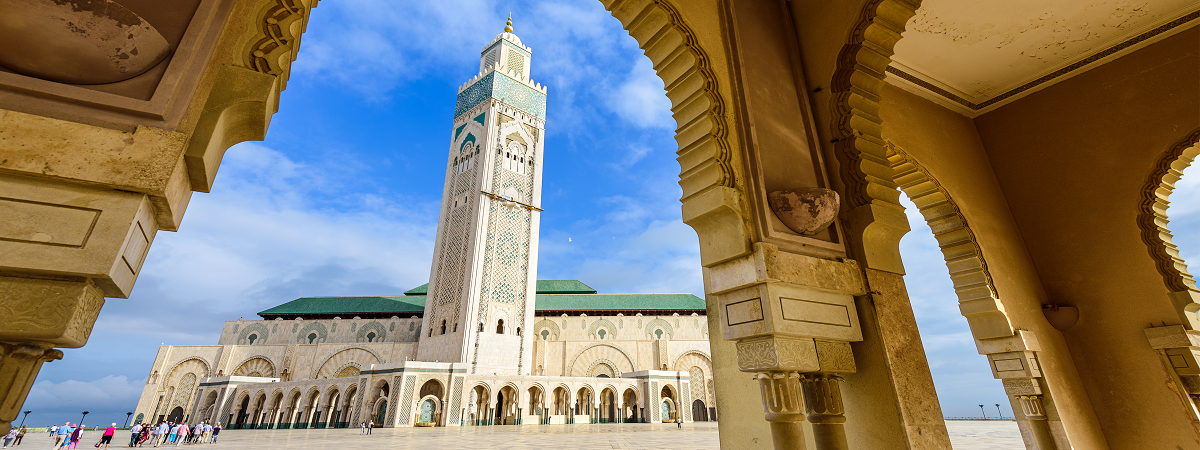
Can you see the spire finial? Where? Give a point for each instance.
(508, 27)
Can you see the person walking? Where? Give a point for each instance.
(53, 429)
(106, 438)
(208, 429)
(181, 434)
(216, 431)
(76, 435)
(8, 438)
(370, 426)
(20, 434)
(678, 423)
(60, 434)
(134, 433)
(363, 425)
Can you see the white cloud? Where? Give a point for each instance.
(272, 230)
(106, 400)
(641, 98)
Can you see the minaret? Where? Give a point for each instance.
(481, 287)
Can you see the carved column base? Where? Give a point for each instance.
(782, 402)
(20, 363)
(823, 402)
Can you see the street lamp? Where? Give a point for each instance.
(127, 419)
(998, 411)
(982, 411)
(85, 413)
(23, 418)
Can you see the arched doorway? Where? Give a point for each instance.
(426, 410)
(177, 414)
(699, 411)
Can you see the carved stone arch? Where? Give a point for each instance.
(550, 326)
(255, 364)
(581, 364)
(602, 323)
(870, 189)
(603, 366)
(255, 328)
(338, 360)
(187, 365)
(711, 201)
(1152, 220)
(313, 328)
(516, 127)
(659, 323)
(964, 257)
(348, 370)
(378, 328)
(693, 358)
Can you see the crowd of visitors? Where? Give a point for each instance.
(68, 435)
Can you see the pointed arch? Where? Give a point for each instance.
(978, 298)
(1152, 220)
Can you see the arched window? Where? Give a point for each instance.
(455, 327)
(480, 327)
(443, 327)
(601, 333)
(371, 337)
(658, 333)
(500, 326)
(251, 338)
(545, 335)
(312, 337)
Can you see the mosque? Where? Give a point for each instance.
(484, 343)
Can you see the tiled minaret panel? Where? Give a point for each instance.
(481, 286)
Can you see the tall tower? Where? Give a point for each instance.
(482, 283)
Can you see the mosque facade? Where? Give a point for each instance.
(484, 343)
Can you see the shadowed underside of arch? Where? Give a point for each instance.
(1152, 220)
(978, 298)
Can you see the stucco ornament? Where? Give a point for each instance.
(805, 210)
(78, 42)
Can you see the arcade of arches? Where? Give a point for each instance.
(1041, 142)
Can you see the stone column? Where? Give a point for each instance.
(792, 318)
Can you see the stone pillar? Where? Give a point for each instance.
(19, 365)
(792, 318)
(823, 403)
(1039, 428)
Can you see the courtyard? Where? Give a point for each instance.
(964, 435)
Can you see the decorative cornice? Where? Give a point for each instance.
(1048, 77)
(276, 46)
(1152, 217)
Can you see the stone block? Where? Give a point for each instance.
(785, 309)
(1014, 365)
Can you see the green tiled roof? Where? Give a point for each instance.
(543, 287)
(347, 305)
(608, 302)
(553, 295)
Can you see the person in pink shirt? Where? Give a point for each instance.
(183, 433)
(106, 438)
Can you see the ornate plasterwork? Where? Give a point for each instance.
(1152, 219)
(258, 364)
(278, 39)
(964, 257)
(583, 362)
(338, 360)
(501, 86)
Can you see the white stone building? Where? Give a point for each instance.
(484, 343)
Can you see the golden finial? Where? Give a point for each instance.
(508, 27)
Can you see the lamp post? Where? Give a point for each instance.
(127, 419)
(23, 418)
(998, 411)
(85, 413)
(982, 411)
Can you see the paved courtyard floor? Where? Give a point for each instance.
(964, 435)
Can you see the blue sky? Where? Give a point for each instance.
(342, 197)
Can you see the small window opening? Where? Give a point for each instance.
(500, 326)
(545, 335)
(455, 327)
(658, 333)
(312, 337)
(252, 338)
(371, 337)
(443, 327)
(518, 331)
(602, 333)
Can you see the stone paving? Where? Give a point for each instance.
(965, 435)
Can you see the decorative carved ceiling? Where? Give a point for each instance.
(974, 56)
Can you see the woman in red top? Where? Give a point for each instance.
(108, 435)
